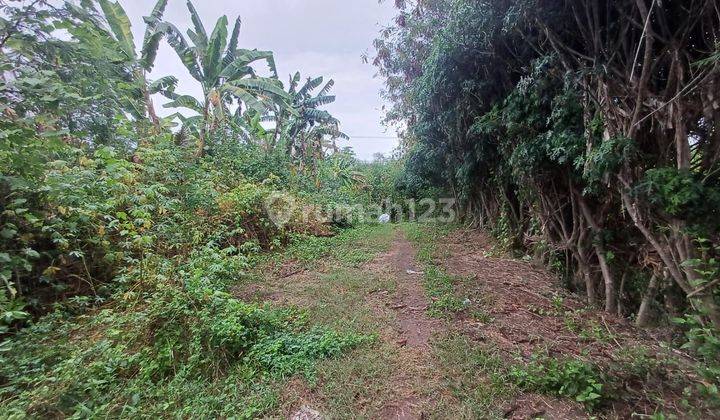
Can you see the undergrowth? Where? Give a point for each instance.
(352, 246)
(180, 339)
(449, 294)
(569, 378)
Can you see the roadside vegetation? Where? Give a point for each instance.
(582, 134)
(123, 232)
(214, 262)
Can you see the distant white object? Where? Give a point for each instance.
(413, 272)
(384, 218)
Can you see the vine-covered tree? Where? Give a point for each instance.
(584, 130)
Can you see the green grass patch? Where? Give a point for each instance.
(353, 246)
(440, 288)
(425, 237)
(173, 342)
(476, 377)
(444, 290)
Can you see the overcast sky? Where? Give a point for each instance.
(317, 37)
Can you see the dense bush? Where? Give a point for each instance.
(122, 232)
(567, 130)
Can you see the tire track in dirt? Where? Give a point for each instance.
(414, 329)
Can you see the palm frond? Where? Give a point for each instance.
(240, 65)
(163, 84)
(151, 40)
(310, 85)
(319, 101)
(247, 97)
(319, 115)
(185, 101)
(232, 45)
(328, 86)
(294, 80)
(264, 86)
(200, 34)
(213, 57)
(119, 24)
(181, 47)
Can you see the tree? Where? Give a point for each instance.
(223, 70)
(304, 129)
(116, 27)
(551, 122)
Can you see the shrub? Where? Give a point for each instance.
(566, 378)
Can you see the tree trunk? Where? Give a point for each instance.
(644, 313)
(608, 278)
(589, 287)
(203, 131)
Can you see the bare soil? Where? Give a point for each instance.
(527, 314)
(530, 312)
(409, 302)
(414, 330)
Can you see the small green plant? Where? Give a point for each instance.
(481, 316)
(703, 341)
(285, 353)
(558, 302)
(440, 288)
(593, 331)
(574, 379)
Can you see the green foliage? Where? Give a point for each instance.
(606, 159)
(476, 375)
(284, 354)
(567, 378)
(545, 137)
(703, 341)
(681, 193)
(120, 244)
(180, 328)
(439, 287)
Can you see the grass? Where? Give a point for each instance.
(356, 384)
(361, 383)
(475, 375)
(350, 246)
(449, 295)
(183, 346)
(334, 347)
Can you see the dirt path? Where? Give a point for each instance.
(456, 367)
(410, 302)
(414, 328)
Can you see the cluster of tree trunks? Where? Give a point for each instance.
(649, 72)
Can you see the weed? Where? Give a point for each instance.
(593, 331)
(570, 378)
(481, 316)
(439, 287)
(182, 340)
(476, 377)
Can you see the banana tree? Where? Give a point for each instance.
(116, 26)
(322, 138)
(224, 71)
(303, 127)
